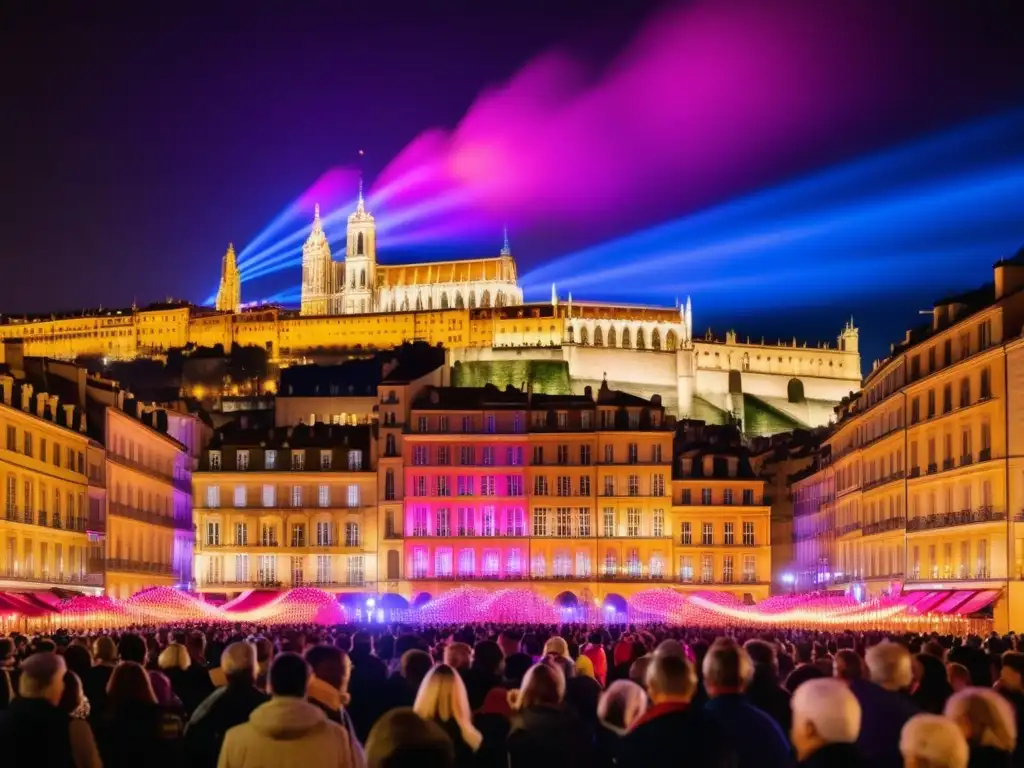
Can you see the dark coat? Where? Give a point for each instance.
(989, 757)
(544, 736)
(883, 715)
(223, 709)
(124, 735)
(676, 736)
(94, 686)
(581, 696)
(368, 688)
(36, 733)
(771, 698)
(189, 687)
(758, 740)
(835, 756)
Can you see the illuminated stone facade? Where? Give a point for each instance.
(293, 507)
(229, 292)
(44, 528)
(919, 485)
(474, 309)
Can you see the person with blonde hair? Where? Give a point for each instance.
(885, 703)
(544, 731)
(403, 739)
(174, 661)
(989, 724)
(618, 708)
(933, 741)
(442, 699)
(826, 722)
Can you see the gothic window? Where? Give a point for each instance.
(640, 338)
(393, 305)
(671, 342)
(444, 300)
(485, 299)
(735, 383)
(572, 335)
(611, 337)
(499, 299)
(472, 299)
(419, 302)
(655, 339)
(459, 303)
(405, 304)
(598, 337)
(625, 338)
(362, 278)
(430, 302)
(359, 244)
(584, 340)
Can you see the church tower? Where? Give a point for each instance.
(317, 270)
(229, 294)
(360, 260)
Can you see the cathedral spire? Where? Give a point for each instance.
(506, 249)
(317, 226)
(359, 204)
(229, 293)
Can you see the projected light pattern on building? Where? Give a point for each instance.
(703, 106)
(946, 610)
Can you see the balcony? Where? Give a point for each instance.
(137, 566)
(848, 528)
(44, 520)
(981, 574)
(67, 579)
(181, 483)
(985, 454)
(952, 519)
(889, 524)
(282, 584)
(879, 481)
(947, 463)
(155, 518)
(592, 577)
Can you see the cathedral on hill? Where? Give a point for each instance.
(360, 285)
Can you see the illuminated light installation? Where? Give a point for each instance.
(307, 605)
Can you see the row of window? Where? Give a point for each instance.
(74, 504)
(984, 393)
(707, 534)
(266, 571)
(510, 563)
(43, 560)
(727, 498)
(984, 341)
(297, 459)
(568, 522)
(269, 498)
(326, 535)
(607, 419)
(563, 455)
(60, 456)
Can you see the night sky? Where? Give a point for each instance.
(138, 144)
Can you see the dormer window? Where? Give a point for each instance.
(242, 459)
(214, 461)
(325, 459)
(270, 459)
(299, 460)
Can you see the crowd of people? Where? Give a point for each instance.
(520, 696)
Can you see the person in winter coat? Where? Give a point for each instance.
(764, 691)
(987, 721)
(33, 729)
(442, 698)
(328, 688)
(826, 721)
(543, 731)
(176, 664)
(222, 710)
(673, 732)
(74, 703)
(620, 706)
(135, 724)
(288, 730)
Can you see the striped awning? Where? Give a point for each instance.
(951, 602)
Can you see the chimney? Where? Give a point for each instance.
(939, 314)
(54, 406)
(14, 354)
(69, 415)
(709, 465)
(41, 399)
(1009, 277)
(7, 386)
(26, 396)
